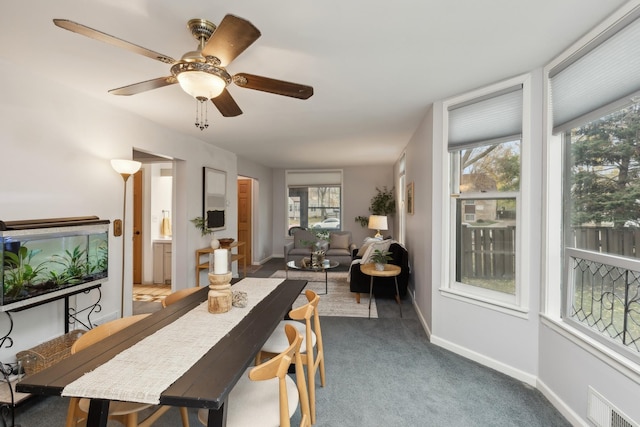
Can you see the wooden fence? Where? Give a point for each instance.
(618, 241)
(488, 252)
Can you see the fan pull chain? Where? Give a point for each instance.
(202, 114)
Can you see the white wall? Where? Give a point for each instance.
(502, 341)
(56, 147)
(423, 250)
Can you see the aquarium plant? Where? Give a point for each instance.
(20, 272)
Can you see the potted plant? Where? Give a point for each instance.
(315, 246)
(382, 203)
(201, 224)
(380, 258)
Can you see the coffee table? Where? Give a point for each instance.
(326, 266)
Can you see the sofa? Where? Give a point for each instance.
(339, 246)
(382, 286)
(299, 247)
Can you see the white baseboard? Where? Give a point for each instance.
(423, 321)
(486, 361)
(562, 407)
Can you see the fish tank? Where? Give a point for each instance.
(43, 260)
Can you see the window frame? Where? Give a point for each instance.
(553, 263)
(519, 304)
(312, 178)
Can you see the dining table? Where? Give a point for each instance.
(205, 382)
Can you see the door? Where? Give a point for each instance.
(244, 216)
(137, 227)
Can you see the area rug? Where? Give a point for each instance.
(339, 301)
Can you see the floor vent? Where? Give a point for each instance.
(603, 414)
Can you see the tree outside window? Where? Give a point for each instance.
(602, 226)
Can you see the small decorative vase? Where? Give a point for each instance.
(379, 266)
(215, 243)
(317, 258)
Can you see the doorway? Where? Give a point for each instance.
(245, 216)
(152, 254)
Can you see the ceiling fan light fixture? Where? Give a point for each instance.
(200, 79)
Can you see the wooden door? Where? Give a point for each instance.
(244, 216)
(137, 227)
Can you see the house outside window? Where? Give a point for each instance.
(485, 142)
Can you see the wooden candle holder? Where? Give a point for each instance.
(220, 296)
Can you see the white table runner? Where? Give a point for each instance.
(142, 372)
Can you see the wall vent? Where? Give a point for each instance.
(603, 414)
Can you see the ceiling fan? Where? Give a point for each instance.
(202, 73)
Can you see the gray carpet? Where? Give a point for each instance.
(384, 372)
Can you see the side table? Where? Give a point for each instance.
(390, 270)
(234, 257)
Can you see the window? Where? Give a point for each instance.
(602, 226)
(595, 113)
(314, 199)
(485, 150)
(487, 185)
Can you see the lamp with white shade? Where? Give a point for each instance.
(125, 168)
(378, 222)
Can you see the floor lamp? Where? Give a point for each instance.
(125, 168)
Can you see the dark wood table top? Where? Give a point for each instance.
(208, 382)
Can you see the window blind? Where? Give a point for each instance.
(489, 119)
(599, 78)
(314, 177)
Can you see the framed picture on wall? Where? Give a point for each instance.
(410, 198)
(214, 197)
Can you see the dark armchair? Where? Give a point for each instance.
(383, 286)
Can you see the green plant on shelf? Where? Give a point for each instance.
(201, 224)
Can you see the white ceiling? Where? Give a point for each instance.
(375, 65)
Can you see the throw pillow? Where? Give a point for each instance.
(367, 242)
(381, 245)
(339, 241)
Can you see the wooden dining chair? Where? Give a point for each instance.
(268, 396)
(178, 295)
(310, 330)
(123, 412)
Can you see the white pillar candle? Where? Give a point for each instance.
(220, 261)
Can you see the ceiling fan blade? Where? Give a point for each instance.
(144, 86)
(104, 37)
(226, 104)
(230, 39)
(278, 87)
